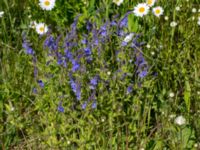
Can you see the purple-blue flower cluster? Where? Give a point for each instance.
(98, 49)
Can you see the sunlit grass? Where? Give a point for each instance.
(144, 119)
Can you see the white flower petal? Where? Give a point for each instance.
(47, 4)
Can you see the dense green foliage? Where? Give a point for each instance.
(114, 117)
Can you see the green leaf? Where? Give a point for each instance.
(187, 94)
(132, 23)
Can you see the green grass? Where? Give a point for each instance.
(121, 121)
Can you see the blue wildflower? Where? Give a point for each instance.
(124, 43)
(113, 23)
(94, 105)
(68, 54)
(93, 82)
(120, 33)
(75, 66)
(34, 90)
(60, 108)
(28, 49)
(41, 84)
(103, 30)
(129, 89)
(123, 22)
(89, 26)
(143, 74)
(84, 105)
(76, 88)
(95, 37)
(87, 51)
(50, 43)
(84, 41)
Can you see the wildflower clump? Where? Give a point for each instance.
(91, 62)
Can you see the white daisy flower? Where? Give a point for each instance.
(171, 94)
(178, 8)
(108, 73)
(158, 11)
(148, 46)
(118, 2)
(180, 120)
(1, 14)
(141, 9)
(41, 28)
(173, 24)
(152, 53)
(150, 2)
(166, 18)
(128, 38)
(194, 10)
(47, 4)
(198, 22)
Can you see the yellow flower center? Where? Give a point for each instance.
(141, 9)
(41, 29)
(47, 3)
(157, 11)
(149, 2)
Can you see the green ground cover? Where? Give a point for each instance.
(101, 77)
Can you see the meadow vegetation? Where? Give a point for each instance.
(91, 74)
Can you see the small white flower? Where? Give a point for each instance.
(148, 46)
(141, 9)
(193, 17)
(173, 24)
(196, 145)
(158, 11)
(152, 53)
(118, 2)
(194, 10)
(178, 8)
(41, 28)
(102, 120)
(108, 73)
(180, 120)
(12, 109)
(166, 18)
(198, 92)
(199, 10)
(128, 38)
(47, 4)
(150, 2)
(172, 116)
(198, 22)
(171, 94)
(1, 14)
(68, 142)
